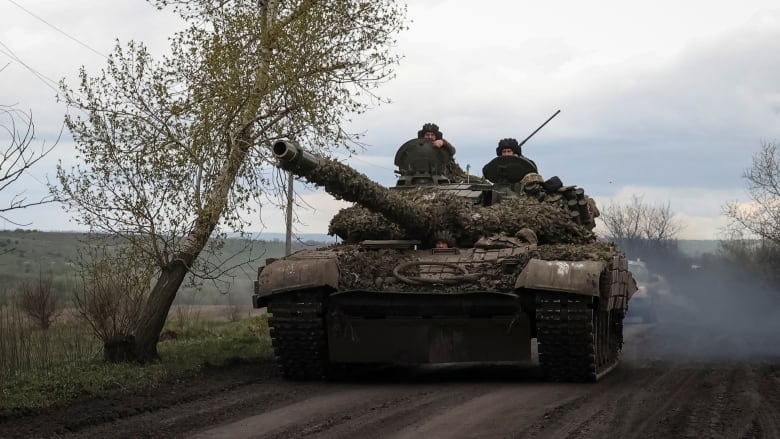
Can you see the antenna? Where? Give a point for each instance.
(540, 127)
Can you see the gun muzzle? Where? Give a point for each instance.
(293, 158)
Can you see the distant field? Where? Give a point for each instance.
(24, 255)
(190, 313)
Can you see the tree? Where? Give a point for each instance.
(174, 151)
(753, 234)
(18, 156)
(637, 226)
(757, 258)
(761, 217)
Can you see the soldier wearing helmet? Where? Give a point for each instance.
(508, 146)
(532, 184)
(431, 132)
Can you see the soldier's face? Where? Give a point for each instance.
(507, 151)
(429, 135)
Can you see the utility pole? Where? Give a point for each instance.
(288, 216)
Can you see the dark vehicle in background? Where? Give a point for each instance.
(652, 293)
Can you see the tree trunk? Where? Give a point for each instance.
(164, 292)
(156, 310)
(119, 349)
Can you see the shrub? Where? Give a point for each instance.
(38, 300)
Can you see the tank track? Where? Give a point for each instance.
(298, 334)
(576, 342)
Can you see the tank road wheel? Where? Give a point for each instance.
(298, 334)
(576, 341)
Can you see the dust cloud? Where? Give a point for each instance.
(713, 313)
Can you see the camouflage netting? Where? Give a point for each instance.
(597, 251)
(347, 184)
(373, 271)
(465, 221)
(355, 224)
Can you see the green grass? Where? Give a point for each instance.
(199, 344)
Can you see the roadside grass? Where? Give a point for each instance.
(193, 346)
(26, 347)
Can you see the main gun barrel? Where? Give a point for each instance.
(293, 158)
(345, 183)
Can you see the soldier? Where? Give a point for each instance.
(443, 239)
(532, 184)
(431, 132)
(508, 146)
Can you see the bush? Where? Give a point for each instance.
(39, 300)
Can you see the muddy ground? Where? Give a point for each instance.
(671, 383)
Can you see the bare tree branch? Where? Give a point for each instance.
(761, 217)
(18, 156)
(637, 224)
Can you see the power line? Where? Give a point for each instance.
(57, 29)
(43, 78)
(354, 157)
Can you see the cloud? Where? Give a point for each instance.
(311, 214)
(669, 98)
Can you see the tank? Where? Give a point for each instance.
(446, 267)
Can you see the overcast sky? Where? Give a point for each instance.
(667, 100)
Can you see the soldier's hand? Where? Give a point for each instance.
(438, 143)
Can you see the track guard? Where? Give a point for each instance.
(578, 277)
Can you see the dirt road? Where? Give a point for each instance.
(702, 385)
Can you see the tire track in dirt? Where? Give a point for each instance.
(743, 403)
(767, 421)
(735, 409)
(314, 414)
(693, 419)
(228, 405)
(349, 412)
(722, 405)
(500, 413)
(651, 404)
(623, 405)
(404, 411)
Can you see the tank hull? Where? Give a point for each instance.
(500, 300)
(418, 328)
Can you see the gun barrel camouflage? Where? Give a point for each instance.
(347, 184)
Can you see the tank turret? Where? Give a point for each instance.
(425, 201)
